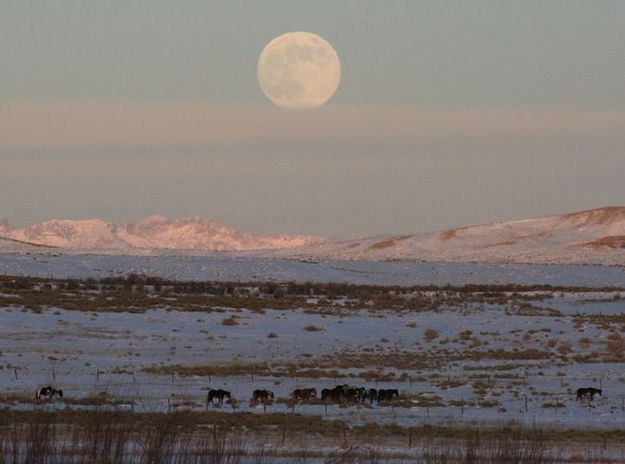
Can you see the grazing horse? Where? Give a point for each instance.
(387, 395)
(589, 392)
(332, 394)
(219, 395)
(48, 392)
(341, 389)
(262, 395)
(355, 395)
(304, 393)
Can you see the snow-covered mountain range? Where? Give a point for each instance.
(151, 233)
(591, 237)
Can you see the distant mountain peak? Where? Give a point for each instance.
(153, 218)
(153, 232)
(594, 236)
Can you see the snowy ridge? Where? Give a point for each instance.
(153, 233)
(588, 237)
(594, 236)
(9, 245)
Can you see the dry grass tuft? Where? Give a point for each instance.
(313, 328)
(430, 334)
(230, 321)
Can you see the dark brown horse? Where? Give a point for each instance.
(331, 394)
(263, 396)
(219, 395)
(589, 392)
(304, 394)
(387, 395)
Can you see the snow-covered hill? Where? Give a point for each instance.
(594, 237)
(152, 233)
(588, 237)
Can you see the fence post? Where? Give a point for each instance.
(15, 372)
(557, 403)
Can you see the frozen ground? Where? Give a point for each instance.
(87, 353)
(491, 360)
(229, 267)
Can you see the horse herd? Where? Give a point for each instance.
(345, 393)
(338, 394)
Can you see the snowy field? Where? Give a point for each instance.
(457, 357)
(229, 267)
(88, 353)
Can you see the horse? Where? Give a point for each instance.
(48, 392)
(589, 392)
(354, 394)
(330, 394)
(372, 394)
(262, 395)
(304, 393)
(387, 395)
(219, 394)
(336, 394)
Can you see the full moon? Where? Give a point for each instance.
(299, 70)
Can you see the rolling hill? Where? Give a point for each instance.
(594, 236)
(151, 233)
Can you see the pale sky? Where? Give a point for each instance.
(448, 113)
